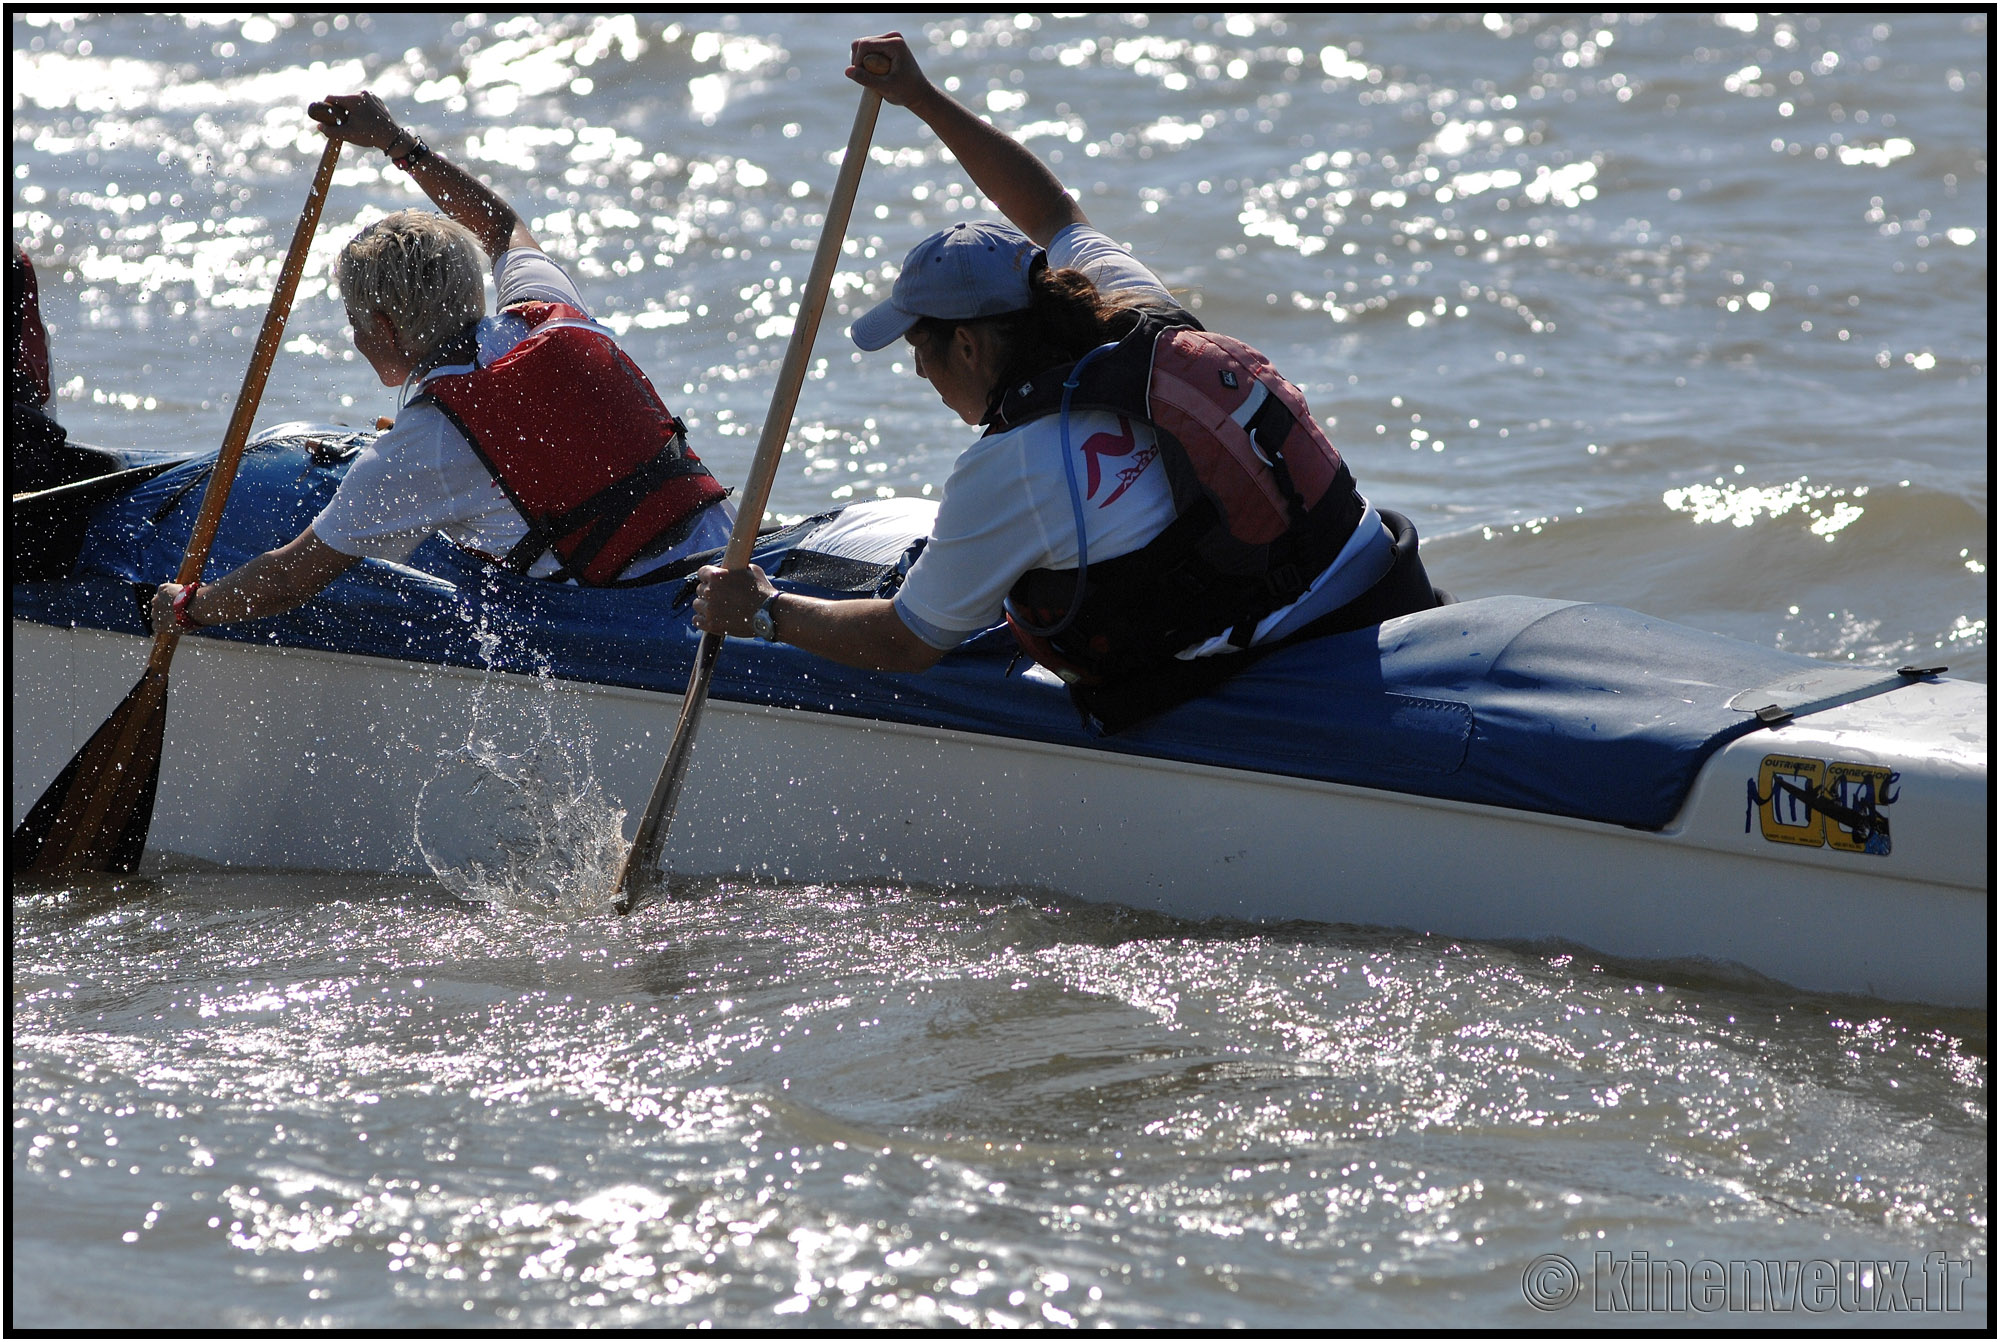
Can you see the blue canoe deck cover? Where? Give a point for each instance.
(1573, 709)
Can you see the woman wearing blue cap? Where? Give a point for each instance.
(1150, 506)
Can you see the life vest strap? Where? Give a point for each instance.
(1269, 427)
(606, 510)
(522, 555)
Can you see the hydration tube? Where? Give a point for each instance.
(1070, 384)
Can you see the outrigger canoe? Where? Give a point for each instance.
(1511, 769)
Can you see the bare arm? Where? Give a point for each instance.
(864, 632)
(1006, 170)
(271, 584)
(363, 119)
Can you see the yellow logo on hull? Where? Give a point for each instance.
(1820, 803)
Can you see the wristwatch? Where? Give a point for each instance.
(764, 623)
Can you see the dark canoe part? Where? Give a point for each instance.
(45, 529)
(40, 455)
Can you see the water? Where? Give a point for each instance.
(551, 842)
(1681, 312)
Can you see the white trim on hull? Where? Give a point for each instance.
(304, 759)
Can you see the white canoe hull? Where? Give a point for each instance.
(294, 758)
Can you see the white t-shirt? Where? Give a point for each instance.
(1006, 507)
(422, 476)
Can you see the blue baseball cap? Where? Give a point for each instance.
(974, 269)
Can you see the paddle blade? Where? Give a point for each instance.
(94, 817)
(642, 860)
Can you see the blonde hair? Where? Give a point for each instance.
(422, 271)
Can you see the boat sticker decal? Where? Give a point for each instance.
(1816, 804)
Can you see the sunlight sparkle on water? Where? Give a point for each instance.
(1741, 507)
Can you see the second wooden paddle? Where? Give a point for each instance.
(645, 852)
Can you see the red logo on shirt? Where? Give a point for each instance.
(1120, 444)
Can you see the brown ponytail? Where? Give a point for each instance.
(1065, 319)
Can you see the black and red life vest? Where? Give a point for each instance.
(1262, 499)
(581, 444)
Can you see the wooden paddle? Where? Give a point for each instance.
(645, 852)
(94, 817)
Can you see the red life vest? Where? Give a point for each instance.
(1263, 503)
(580, 442)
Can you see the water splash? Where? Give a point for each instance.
(515, 816)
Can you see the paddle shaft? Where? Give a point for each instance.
(262, 356)
(101, 789)
(646, 847)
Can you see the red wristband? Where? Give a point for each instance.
(416, 153)
(183, 618)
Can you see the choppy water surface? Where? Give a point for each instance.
(1683, 312)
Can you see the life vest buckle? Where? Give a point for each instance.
(1285, 582)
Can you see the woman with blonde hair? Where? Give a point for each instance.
(527, 437)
